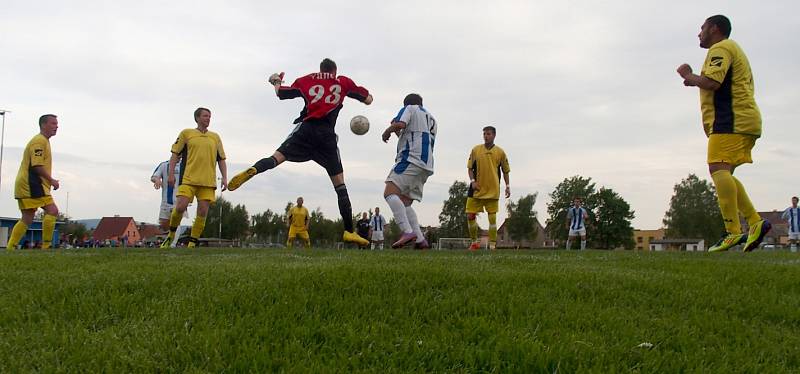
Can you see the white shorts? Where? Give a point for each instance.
(578, 232)
(410, 181)
(377, 236)
(794, 235)
(166, 211)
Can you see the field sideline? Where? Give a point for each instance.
(445, 311)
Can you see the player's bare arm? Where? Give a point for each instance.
(394, 128)
(508, 185)
(223, 170)
(693, 80)
(42, 172)
(173, 160)
(473, 182)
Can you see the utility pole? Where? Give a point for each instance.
(2, 139)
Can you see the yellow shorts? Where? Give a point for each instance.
(477, 205)
(201, 192)
(732, 149)
(35, 203)
(298, 231)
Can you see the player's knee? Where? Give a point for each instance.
(265, 164)
(51, 210)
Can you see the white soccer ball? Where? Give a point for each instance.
(359, 125)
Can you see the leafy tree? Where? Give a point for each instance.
(74, 230)
(323, 231)
(235, 220)
(612, 224)
(521, 219)
(268, 227)
(561, 199)
(693, 211)
(452, 219)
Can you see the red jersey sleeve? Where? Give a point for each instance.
(353, 90)
(290, 92)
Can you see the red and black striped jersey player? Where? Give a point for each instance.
(313, 137)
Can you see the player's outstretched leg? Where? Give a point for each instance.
(259, 167)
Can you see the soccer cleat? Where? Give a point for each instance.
(167, 242)
(422, 245)
(756, 235)
(728, 241)
(239, 179)
(474, 246)
(351, 237)
(404, 239)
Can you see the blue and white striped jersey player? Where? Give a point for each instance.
(416, 131)
(168, 193)
(792, 217)
(576, 222)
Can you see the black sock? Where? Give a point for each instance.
(344, 207)
(265, 164)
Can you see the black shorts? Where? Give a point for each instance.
(315, 141)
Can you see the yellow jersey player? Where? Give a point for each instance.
(199, 150)
(484, 165)
(33, 183)
(298, 224)
(732, 123)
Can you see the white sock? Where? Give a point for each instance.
(583, 244)
(567, 244)
(399, 211)
(412, 220)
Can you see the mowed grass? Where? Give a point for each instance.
(246, 310)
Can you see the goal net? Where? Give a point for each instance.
(454, 243)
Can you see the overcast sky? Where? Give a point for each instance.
(575, 88)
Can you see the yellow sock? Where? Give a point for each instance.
(308, 243)
(726, 196)
(473, 229)
(289, 242)
(16, 234)
(745, 206)
(198, 226)
(48, 226)
(493, 227)
(175, 219)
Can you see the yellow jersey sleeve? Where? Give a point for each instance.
(471, 158)
(220, 149)
(504, 163)
(180, 143)
(718, 61)
(38, 152)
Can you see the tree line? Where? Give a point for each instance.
(692, 213)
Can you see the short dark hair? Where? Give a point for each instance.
(722, 23)
(327, 66)
(43, 119)
(490, 128)
(795, 198)
(198, 111)
(412, 99)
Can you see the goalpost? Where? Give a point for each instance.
(454, 243)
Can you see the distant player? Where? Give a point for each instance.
(199, 151)
(792, 217)
(314, 137)
(484, 165)
(362, 228)
(34, 180)
(576, 222)
(376, 226)
(416, 130)
(298, 224)
(168, 193)
(732, 123)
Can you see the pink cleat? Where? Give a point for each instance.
(405, 239)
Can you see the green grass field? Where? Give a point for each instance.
(241, 310)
